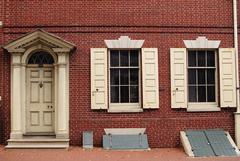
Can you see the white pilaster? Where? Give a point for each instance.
(16, 109)
(62, 108)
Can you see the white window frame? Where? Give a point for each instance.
(205, 106)
(125, 107)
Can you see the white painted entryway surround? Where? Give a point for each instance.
(20, 50)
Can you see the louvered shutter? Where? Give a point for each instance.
(178, 77)
(150, 78)
(99, 78)
(227, 77)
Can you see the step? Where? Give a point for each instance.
(38, 142)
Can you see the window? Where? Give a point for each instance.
(41, 58)
(202, 76)
(124, 77)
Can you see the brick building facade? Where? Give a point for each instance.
(86, 24)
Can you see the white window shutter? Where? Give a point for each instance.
(150, 78)
(178, 77)
(99, 78)
(227, 77)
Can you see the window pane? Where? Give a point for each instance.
(201, 58)
(124, 58)
(134, 94)
(211, 76)
(134, 58)
(41, 58)
(134, 76)
(124, 94)
(201, 76)
(114, 58)
(211, 58)
(192, 58)
(114, 76)
(211, 93)
(124, 76)
(192, 76)
(114, 94)
(192, 94)
(201, 94)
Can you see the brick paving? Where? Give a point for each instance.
(98, 154)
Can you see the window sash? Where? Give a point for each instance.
(129, 84)
(206, 85)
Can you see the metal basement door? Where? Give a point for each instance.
(212, 142)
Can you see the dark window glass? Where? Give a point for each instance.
(210, 58)
(134, 94)
(192, 94)
(124, 94)
(192, 76)
(124, 76)
(133, 76)
(41, 58)
(211, 76)
(114, 58)
(124, 58)
(192, 58)
(114, 94)
(201, 58)
(211, 94)
(114, 76)
(134, 58)
(201, 76)
(201, 94)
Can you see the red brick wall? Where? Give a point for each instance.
(120, 13)
(87, 23)
(1, 72)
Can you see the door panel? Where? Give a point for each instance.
(34, 92)
(47, 118)
(40, 98)
(34, 118)
(47, 92)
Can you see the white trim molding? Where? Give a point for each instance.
(20, 50)
(124, 42)
(202, 43)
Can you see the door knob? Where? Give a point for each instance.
(41, 84)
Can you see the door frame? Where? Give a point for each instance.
(35, 66)
(20, 49)
(18, 91)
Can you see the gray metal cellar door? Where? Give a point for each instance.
(213, 142)
(125, 141)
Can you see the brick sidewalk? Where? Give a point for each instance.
(98, 154)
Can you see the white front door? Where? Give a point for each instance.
(40, 100)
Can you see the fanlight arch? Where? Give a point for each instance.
(40, 58)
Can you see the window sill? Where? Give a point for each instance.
(124, 110)
(203, 107)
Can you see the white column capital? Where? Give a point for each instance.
(62, 57)
(16, 59)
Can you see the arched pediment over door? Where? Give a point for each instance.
(38, 42)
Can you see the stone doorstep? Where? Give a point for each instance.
(37, 142)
